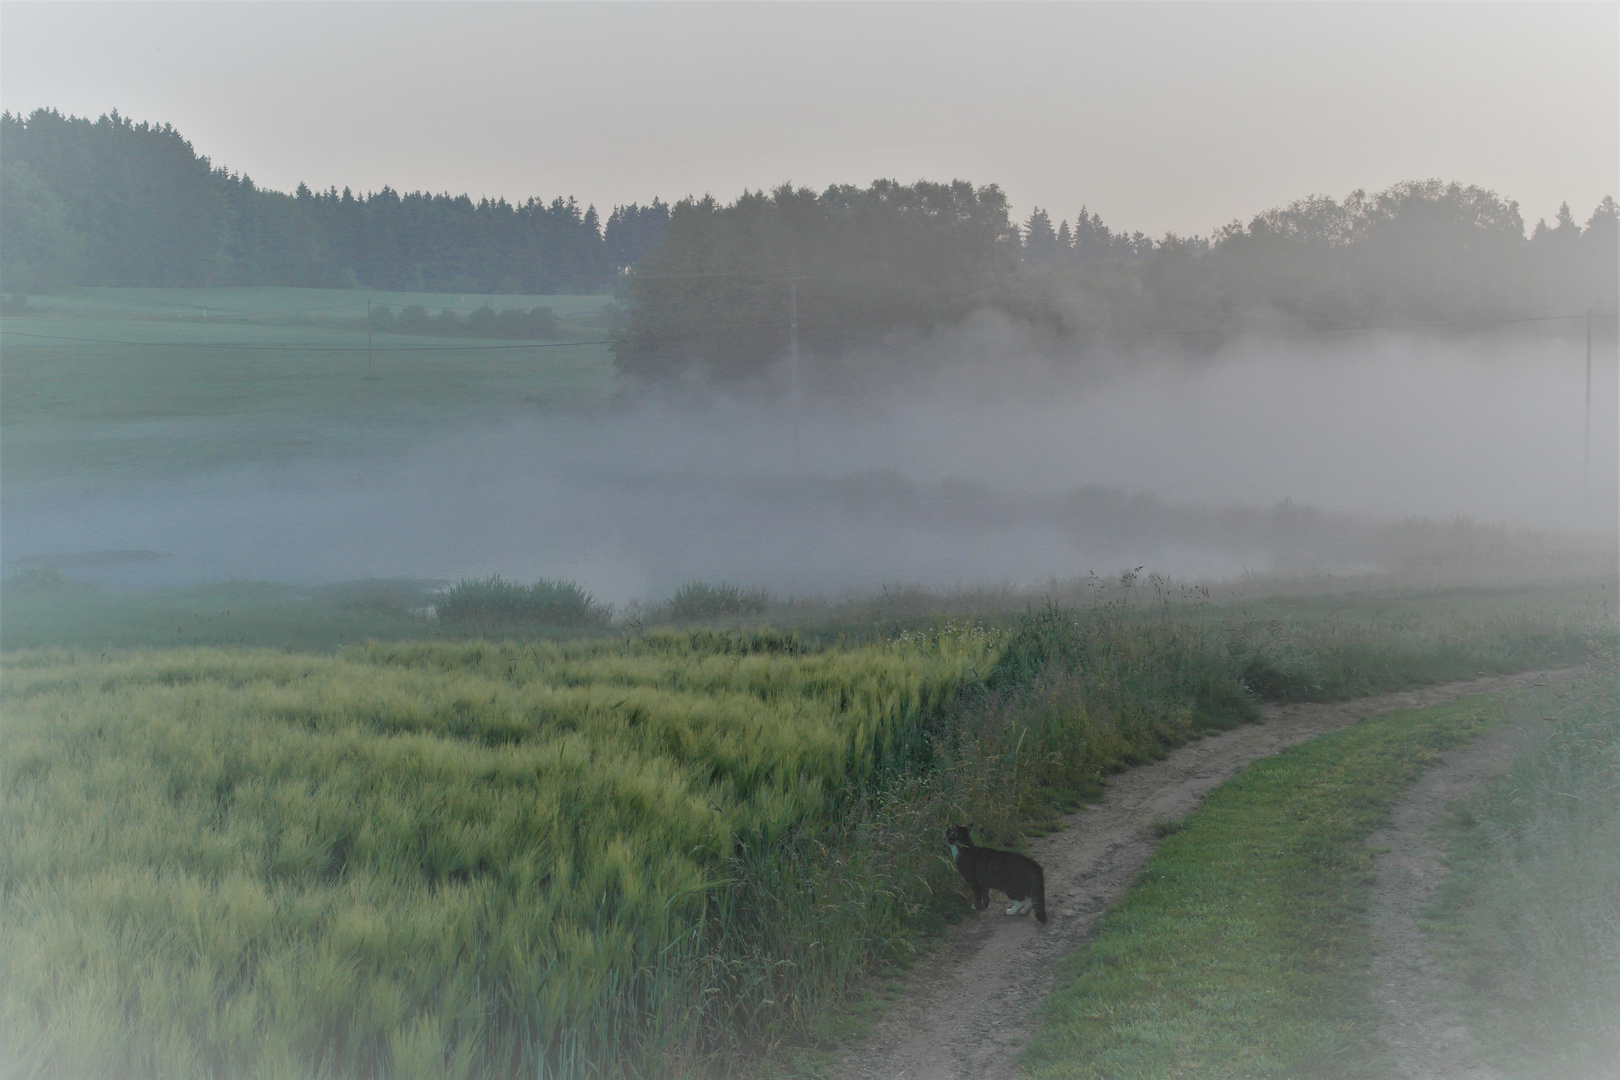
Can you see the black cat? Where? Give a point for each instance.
(1018, 876)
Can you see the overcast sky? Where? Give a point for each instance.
(1159, 116)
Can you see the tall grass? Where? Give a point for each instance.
(1530, 916)
(659, 854)
(429, 860)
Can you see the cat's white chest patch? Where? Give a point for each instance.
(956, 852)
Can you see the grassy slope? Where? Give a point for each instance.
(1241, 952)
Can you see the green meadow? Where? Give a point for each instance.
(106, 381)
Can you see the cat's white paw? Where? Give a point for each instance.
(1015, 909)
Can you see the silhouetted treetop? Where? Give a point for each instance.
(713, 297)
(706, 285)
(146, 209)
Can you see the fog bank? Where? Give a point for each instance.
(1006, 464)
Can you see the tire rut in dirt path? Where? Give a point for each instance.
(968, 1006)
(1428, 1039)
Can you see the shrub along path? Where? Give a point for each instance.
(969, 1006)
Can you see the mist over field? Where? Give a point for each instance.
(525, 528)
(1000, 466)
(412, 384)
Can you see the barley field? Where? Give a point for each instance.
(423, 859)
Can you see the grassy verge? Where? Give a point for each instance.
(1241, 951)
(1529, 919)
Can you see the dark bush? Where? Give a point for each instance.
(495, 601)
(1278, 671)
(413, 318)
(702, 600)
(543, 323)
(512, 323)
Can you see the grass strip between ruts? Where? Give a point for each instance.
(1527, 921)
(1243, 950)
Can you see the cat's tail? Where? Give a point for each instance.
(1040, 896)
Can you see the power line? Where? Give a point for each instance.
(1586, 445)
(305, 348)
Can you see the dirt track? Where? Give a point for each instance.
(1427, 1038)
(968, 1007)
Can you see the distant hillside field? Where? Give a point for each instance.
(172, 379)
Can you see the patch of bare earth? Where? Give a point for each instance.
(968, 1007)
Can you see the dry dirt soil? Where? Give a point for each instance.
(968, 1007)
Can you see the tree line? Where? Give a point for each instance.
(868, 265)
(1418, 251)
(714, 295)
(114, 202)
(707, 287)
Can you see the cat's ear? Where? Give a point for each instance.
(968, 826)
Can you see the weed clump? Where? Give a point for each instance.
(495, 602)
(1280, 671)
(697, 600)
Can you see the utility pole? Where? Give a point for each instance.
(369, 375)
(793, 362)
(1586, 446)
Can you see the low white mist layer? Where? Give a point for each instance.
(998, 468)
